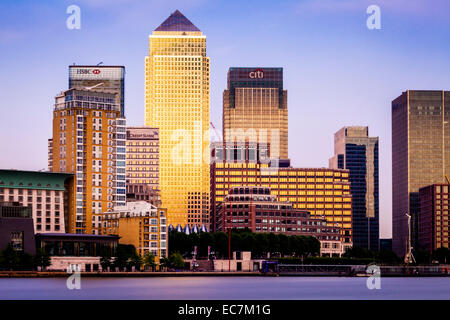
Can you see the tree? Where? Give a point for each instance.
(41, 259)
(105, 262)
(220, 243)
(9, 258)
(176, 260)
(149, 261)
(134, 261)
(387, 256)
(274, 244)
(284, 246)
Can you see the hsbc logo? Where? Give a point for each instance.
(256, 74)
(88, 71)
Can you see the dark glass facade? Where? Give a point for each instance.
(357, 152)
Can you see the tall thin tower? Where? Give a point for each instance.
(177, 102)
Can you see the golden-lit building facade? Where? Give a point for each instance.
(420, 156)
(89, 141)
(177, 102)
(255, 108)
(141, 224)
(320, 191)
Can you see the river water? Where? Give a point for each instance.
(225, 288)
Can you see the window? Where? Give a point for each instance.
(17, 240)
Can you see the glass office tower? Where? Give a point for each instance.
(420, 155)
(356, 151)
(177, 102)
(255, 108)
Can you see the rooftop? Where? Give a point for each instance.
(33, 179)
(177, 22)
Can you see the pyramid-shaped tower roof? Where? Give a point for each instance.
(177, 22)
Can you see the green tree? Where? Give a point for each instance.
(274, 243)
(105, 262)
(220, 243)
(41, 259)
(149, 261)
(205, 239)
(9, 258)
(176, 261)
(134, 261)
(284, 245)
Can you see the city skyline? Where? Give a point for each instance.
(362, 82)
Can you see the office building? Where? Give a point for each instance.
(141, 224)
(89, 141)
(434, 217)
(107, 78)
(354, 150)
(320, 191)
(47, 194)
(143, 156)
(256, 209)
(420, 155)
(255, 108)
(177, 102)
(16, 227)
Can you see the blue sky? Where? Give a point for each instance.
(336, 71)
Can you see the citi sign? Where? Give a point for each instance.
(256, 74)
(88, 71)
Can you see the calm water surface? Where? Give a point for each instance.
(226, 288)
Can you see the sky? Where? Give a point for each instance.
(337, 71)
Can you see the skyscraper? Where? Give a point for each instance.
(177, 102)
(89, 140)
(255, 108)
(420, 155)
(354, 150)
(107, 78)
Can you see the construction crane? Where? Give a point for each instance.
(409, 258)
(218, 135)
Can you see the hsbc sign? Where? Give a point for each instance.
(256, 74)
(88, 71)
(93, 73)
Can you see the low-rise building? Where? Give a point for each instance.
(46, 193)
(256, 209)
(141, 224)
(16, 227)
(82, 250)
